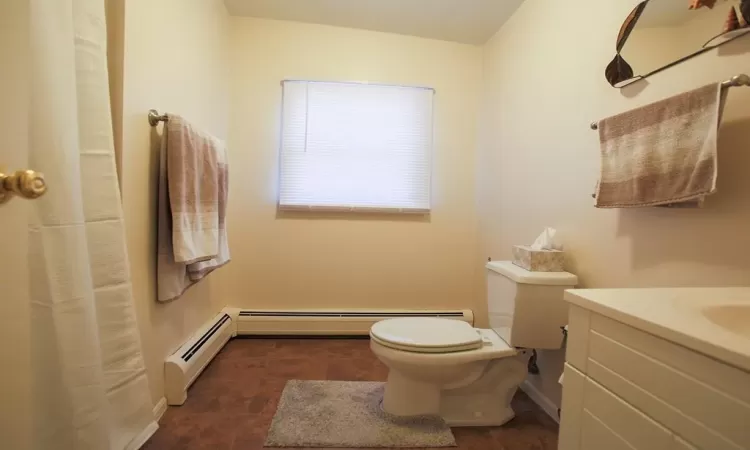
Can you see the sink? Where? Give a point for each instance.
(733, 318)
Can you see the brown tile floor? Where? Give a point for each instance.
(231, 405)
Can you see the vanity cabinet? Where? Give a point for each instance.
(627, 389)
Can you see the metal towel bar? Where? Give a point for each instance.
(154, 117)
(737, 80)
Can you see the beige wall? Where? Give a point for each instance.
(538, 160)
(175, 61)
(308, 260)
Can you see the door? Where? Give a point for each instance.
(15, 349)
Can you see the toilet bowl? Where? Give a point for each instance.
(468, 376)
(468, 381)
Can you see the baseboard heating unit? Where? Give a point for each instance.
(328, 322)
(184, 365)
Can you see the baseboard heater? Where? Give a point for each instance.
(328, 322)
(184, 365)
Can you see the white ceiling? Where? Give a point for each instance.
(467, 21)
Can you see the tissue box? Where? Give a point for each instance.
(538, 260)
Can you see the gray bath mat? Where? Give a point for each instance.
(348, 414)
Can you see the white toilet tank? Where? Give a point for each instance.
(527, 308)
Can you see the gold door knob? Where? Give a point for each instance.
(22, 183)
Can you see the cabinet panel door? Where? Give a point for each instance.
(680, 444)
(722, 377)
(691, 401)
(630, 424)
(595, 435)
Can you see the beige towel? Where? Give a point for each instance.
(193, 165)
(193, 184)
(663, 153)
(200, 269)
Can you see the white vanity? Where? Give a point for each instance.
(657, 369)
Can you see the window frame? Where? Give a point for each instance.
(358, 209)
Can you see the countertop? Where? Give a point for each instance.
(685, 316)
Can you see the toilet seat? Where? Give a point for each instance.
(426, 335)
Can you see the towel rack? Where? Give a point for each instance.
(154, 117)
(737, 80)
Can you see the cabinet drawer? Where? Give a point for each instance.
(696, 397)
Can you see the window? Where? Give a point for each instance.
(355, 147)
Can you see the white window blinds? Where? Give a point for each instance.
(355, 146)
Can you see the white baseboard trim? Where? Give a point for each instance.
(142, 438)
(540, 399)
(159, 409)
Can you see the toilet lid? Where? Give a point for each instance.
(427, 333)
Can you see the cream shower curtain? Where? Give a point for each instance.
(89, 385)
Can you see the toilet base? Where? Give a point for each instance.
(483, 401)
(496, 421)
(486, 401)
(407, 397)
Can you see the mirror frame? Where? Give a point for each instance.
(620, 74)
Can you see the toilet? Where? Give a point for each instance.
(466, 375)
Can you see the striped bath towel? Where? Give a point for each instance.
(663, 153)
(193, 184)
